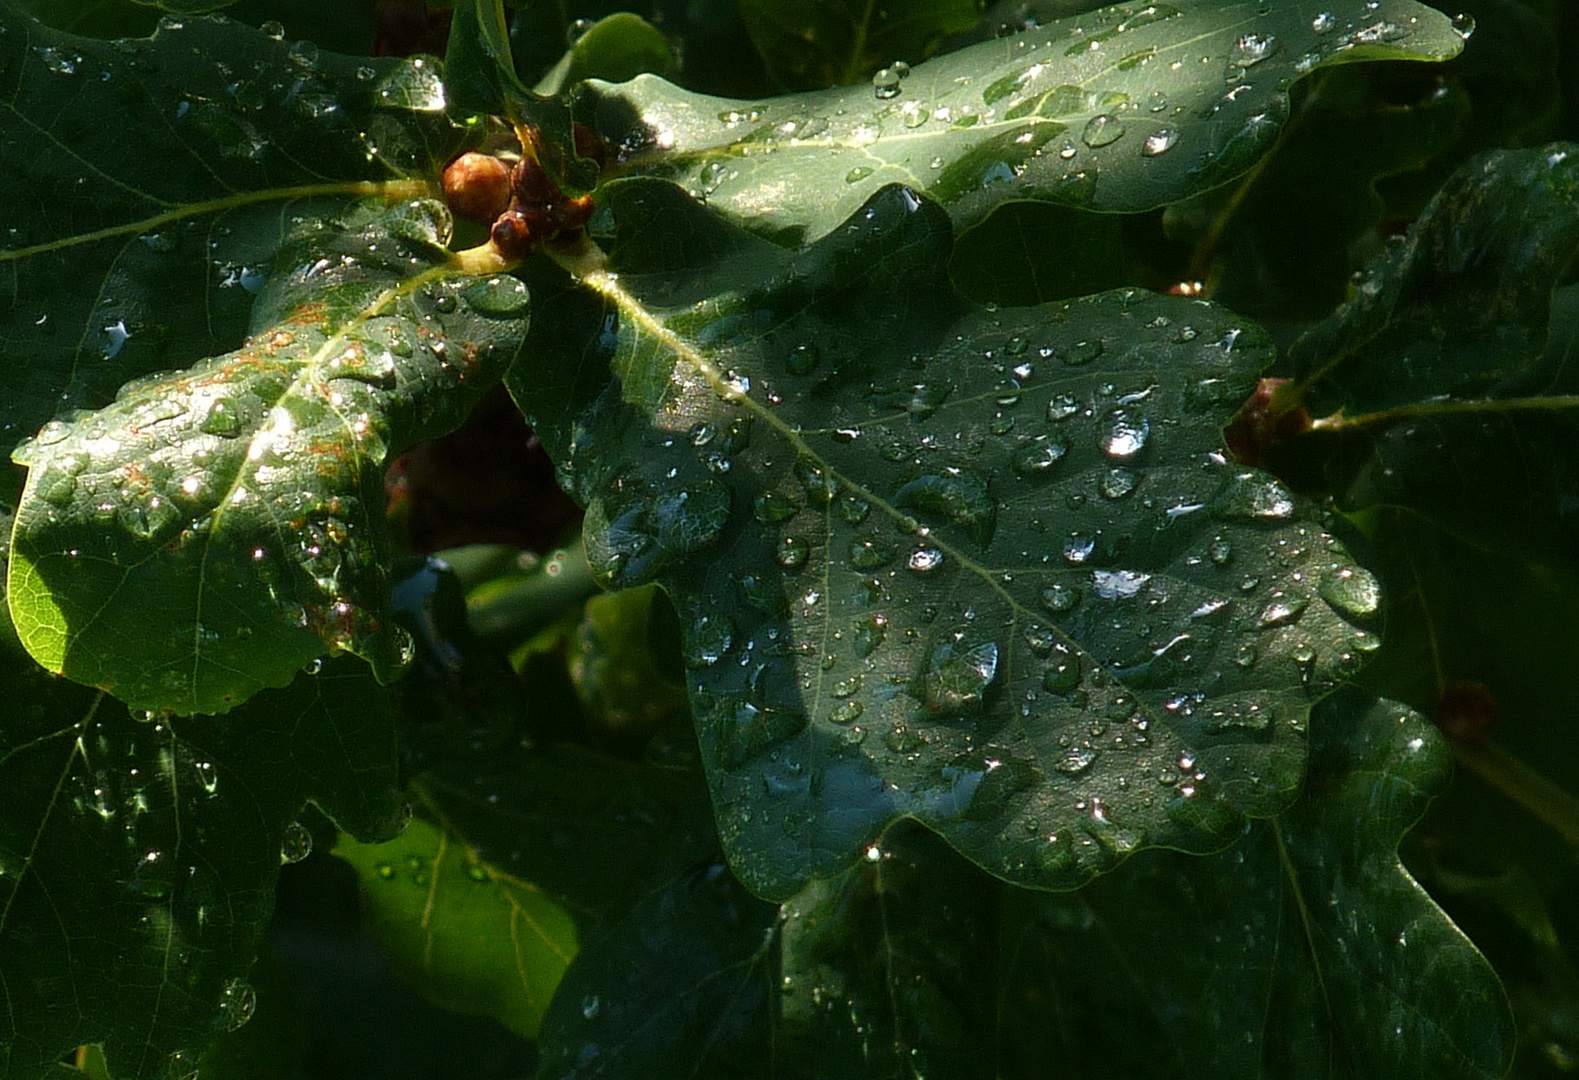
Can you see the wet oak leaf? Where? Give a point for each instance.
(1121, 109)
(215, 529)
(1308, 937)
(138, 858)
(122, 256)
(991, 571)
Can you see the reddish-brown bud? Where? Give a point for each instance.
(1466, 711)
(1262, 422)
(477, 187)
(512, 235)
(589, 146)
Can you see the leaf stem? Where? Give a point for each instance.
(391, 190)
(1548, 403)
(1531, 790)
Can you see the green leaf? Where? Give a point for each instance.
(233, 512)
(680, 988)
(990, 571)
(811, 44)
(466, 934)
(617, 48)
(1308, 939)
(152, 249)
(1120, 109)
(1460, 309)
(138, 859)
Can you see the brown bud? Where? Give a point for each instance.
(532, 186)
(1262, 422)
(512, 235)
(570, 214)
(589, 146)
(477, 187)
(1466, 711)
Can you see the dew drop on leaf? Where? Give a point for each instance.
(296, 844)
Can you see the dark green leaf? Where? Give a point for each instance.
(138, 859)
(886, 968)
(466, 934)
(1460, 309)
(989, 571)
(812, 44)
(123, 256)
(1122, 109)
(680, 988)
(233, 512)
(1004, 260)
(1308, 940)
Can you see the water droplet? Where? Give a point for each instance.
(577, 30)
(1250, 50)
(925, 560)
(1118, 584)
(707, 639)
(958, 494)
(1077, 761)
(591, 1006)
(1248, 655)
(885, 84)
(1040, 639)
(1082, 352)
(502, 297)
(869, 634)
(1159, 142)
(1077, 548)
(273, 29)
(313, 666)
(207, 775)
(1062, 407)
(1117, 483)
(1283, 610)
(772, 507)
(1063, 675)
(791, 552)
(1351, 591)
(237, 1003)
(869, 554)
(1220, 550)
(1060, 598)
(1324, 23)
(859, 173)
(1125, 436)
(1463, 25)
(296, 844)
(1039, 455)
(1102, 130)
(1253, 496)
(958, 674)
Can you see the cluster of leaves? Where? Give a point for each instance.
(960, 704)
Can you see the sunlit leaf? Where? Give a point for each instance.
(121, 256)
(1120, 109)
(449, 921)
(233, 512)
(989, 571)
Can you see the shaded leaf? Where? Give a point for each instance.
(234, 511)
(1460, 309)
(989, 571)
(152, 249)
(1121, 109)
(466, 934)
(1004, 259)
(1308, 940)
(678, 989)
(138, 859)
(812, 44)
(887, 968)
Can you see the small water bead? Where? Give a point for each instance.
(1324, 23)
(792, 552)
(296, 844)
(1038, 456)
(1062, 407)
(1220, 551)
(885, 84)
(273, 29)
(1040, 639)
(958, 674)
(577, 30)
(1082, 352)
(237, 1004)
(925, 560)
(1248, 655)
(1117, 483)
(1463, 25)
(1063, 676)
(1077, 549)
(1351, 591)
(1125, 436)
(1159, 142)
(1251, 49)
(1060, 598)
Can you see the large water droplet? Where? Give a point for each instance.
(1253, 496)
(1463, 25)
(1039, 455)
(1102, 130)
(502, 297)
(237, 1003)
(1251, 49)
(958, 494)
(1118, 584)
(1125, 435)
(1324, 23)
(1159, 142)
(1060, 598)
(707, 639)
(885, 84)
(1352, 591)
(958, 673)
